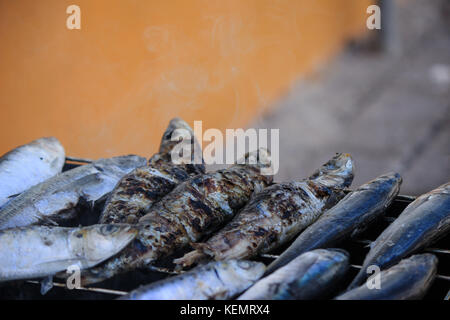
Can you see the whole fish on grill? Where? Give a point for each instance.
(217, 280)
(312, 275)
(195, 208)
(138, 190)
(410, 279)
(40, 251)
(355, 212)
(54, 200)
(423, 221)
(276, 214)
(28, 165)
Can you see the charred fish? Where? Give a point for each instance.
(276, 214)
(355, 212)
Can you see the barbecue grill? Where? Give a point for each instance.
(121, 284)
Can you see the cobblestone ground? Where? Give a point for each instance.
(390, 111)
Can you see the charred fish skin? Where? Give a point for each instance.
(410, 279)
(39, 251)
(28, 165)
(51, 199)
(312, 275)
(422, 222)
(353, 213)
(196, 207)
(276, 214)
(217, 280)
(136, 192)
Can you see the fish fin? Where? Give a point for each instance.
(358, 280)
(85, 202)
(190, 258)
(46, 284)
(220, 295)
(81, 182)
(48, 221)
(164, 270)
(14, 195)
(357, 232)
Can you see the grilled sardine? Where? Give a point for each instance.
(138, 190)
(217, 280)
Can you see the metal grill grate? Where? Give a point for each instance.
(121, 284)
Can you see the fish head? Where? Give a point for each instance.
(338, 172)
(424, 261)
(243, 270)
(176, 124)
(99, 242)
(178, 132)
(260, 160)
(390, 182)
(336, 254)
(49, 150)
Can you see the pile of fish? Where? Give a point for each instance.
(209, 227)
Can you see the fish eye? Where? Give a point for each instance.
(244, 264)
(108, 229)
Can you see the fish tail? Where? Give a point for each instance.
(360, 277)
(89, 277)
(282, 260)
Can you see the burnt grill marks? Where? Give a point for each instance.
(260, 232)
(135, 193)
(204, 212)
(199, 207)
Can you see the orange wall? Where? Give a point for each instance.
(111, 87)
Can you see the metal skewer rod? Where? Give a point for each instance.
(101, 290)
(83, 160)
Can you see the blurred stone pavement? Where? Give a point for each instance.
(390, 111)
